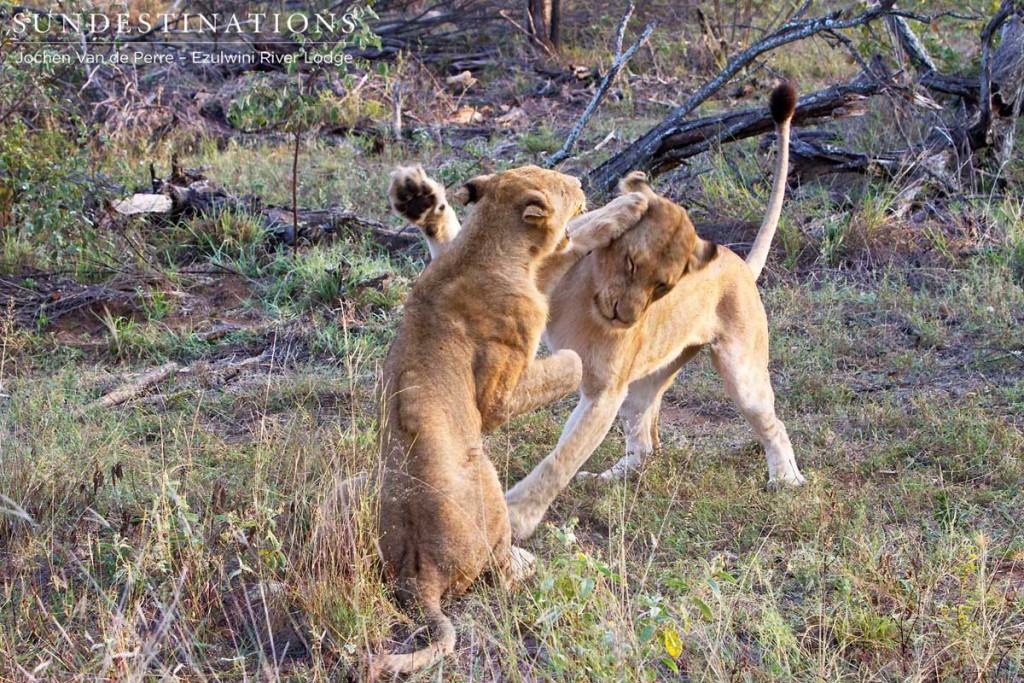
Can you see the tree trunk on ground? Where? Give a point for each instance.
(996, 105)
(670, 143)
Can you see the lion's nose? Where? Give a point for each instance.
(627, 318)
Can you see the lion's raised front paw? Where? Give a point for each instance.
(415, 196)
(602, 227)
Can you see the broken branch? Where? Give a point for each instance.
(144, 382)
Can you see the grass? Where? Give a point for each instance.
(143, 540)
(172, 536)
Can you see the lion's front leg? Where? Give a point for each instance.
(543, 381)
(594, 230)
(600, 227)
(546, 380)
(587, 426)
(421, 200)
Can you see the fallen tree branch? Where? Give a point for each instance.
(640, 154)
(187, 193)
(621, 58)
(811, 154)
(675, 139)
(911, 45)
(218, 372)
(143, 383)
(693, 137)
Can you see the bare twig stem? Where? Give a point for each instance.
(529, 34)
(295, 194)
(620, 33)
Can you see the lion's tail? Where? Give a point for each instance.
(442, 635)
(782, 104)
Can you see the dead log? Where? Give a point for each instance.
(964, 87)
(142, 383)
(693, 137)
(814, 153)
(1008, 67)
(316, 225)
(978, 133)
(187, 193)
(646, 152)
(999, 91)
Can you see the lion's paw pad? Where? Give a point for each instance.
(413, 195)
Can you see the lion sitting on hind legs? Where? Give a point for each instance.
(463, 363)
(636, 310)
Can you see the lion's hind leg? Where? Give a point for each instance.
(745, 373)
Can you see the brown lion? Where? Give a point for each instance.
(462, 364)
(636, 311)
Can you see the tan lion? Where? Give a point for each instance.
(636, 311)
(462, 364)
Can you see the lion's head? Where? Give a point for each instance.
(545, 200)
(647, 261)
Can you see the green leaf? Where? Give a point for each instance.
(705, 611)
(726, 577)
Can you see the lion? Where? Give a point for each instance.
(636, 311)
(463, 363)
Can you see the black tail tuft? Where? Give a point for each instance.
(782, 102)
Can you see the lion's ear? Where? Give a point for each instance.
(703, 253)
(537, 209)
(473, 190)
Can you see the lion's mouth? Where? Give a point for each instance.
(610, 318)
